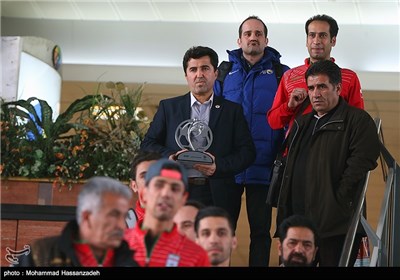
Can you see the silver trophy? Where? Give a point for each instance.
(195, 136)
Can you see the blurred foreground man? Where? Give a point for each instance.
(156, 240)
(95, 238)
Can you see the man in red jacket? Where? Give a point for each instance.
(139, 168)
(321, 33)
(156, 241)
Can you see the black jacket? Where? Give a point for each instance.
(341, 153)
(58, 251)
(232, 143)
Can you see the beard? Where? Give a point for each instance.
(253, 51)
(296, 260)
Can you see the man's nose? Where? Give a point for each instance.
(315, 93)
(214, 238)
(299, 247)
(200, 72)
(316, 40)
(253, 36)
(166, 191)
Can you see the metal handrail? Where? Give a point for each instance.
(386, 247)
(351, 233)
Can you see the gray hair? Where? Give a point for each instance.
(90, 197)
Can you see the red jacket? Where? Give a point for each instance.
(280, 115)
(139, 210)
(170, 249)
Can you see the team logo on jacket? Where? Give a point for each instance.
(172, 260)
(268, 71)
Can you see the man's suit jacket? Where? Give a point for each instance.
(232, 144)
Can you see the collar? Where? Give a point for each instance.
(193, 100)
(246, 63)
(308, 63)
(328, 114)
(88, 259)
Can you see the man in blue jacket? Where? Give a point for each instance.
(252, 82)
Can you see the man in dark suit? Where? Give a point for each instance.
(232, 149)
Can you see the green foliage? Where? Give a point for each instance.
(103, 138)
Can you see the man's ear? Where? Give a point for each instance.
(85, 217)
(279, 248)
(133, 186)
(185, 197)
(333, 41)
(339, 88)
(234, 242)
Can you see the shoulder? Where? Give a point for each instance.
(176, 98)
(227, 104)
(192, 248)
(298, 70)
(191, 254)
(284, 67)
(133, 236)
(348, 74)
(347, 71)
(219, 100)
(355, 112)
(174, 101)
(44, 245)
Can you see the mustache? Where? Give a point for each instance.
(202, 79)
(301, 260)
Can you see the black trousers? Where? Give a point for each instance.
(259, 218)
(201, 193)
(330, 250)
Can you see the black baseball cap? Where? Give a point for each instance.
(167, 168)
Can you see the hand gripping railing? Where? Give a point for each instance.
(386, 240)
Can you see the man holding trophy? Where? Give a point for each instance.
(207, 134)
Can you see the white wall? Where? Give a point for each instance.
(152, 51)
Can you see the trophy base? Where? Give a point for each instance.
(190, 158)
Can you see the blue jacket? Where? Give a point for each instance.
(255, 91)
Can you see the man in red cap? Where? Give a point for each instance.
(156, 241)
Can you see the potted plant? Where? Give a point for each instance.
(98, 134)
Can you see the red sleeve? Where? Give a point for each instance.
(355, 97)
(280, 115)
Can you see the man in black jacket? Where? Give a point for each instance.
(330, 152)
(231, 149)
(95, 238)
